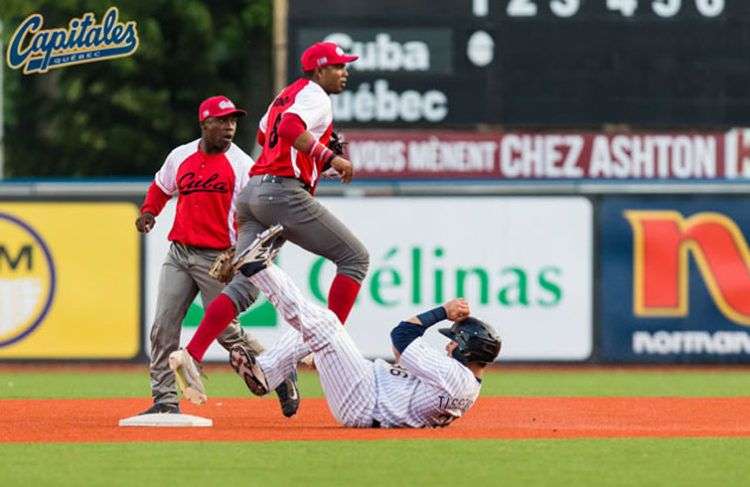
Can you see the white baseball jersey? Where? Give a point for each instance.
(428, 389)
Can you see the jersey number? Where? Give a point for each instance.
(399, 372)
(273, 139)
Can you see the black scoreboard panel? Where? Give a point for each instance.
(660, 63)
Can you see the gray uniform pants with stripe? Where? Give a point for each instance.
(307, 223)
(183, 275)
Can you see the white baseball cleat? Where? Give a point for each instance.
(260, 253)
(188, 376)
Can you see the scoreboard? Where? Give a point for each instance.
(535, 63)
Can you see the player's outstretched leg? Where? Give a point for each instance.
(259, 253)
(188, 376)
(344, 372)
(312, 321)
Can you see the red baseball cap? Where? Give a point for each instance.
(218, 106)
(323, 54)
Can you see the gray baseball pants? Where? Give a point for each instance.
(268, 200)
(183, 275)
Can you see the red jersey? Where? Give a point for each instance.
(311, 103)
(207, 186)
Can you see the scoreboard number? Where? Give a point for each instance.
(666, 8)
(521, 8)
(565, 8)
(568, 8)
(710, 8)
(626, 7)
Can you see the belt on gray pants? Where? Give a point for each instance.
(270, 178)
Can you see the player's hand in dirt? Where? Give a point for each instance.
(145, 222)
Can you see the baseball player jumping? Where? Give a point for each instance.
(425, 389)
(294, 133)
(206, 175)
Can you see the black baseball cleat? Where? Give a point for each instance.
(260, 253)
(245, 365)
(288, 394)
(162, 408)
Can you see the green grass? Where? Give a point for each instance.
(510, 382)
(636, 462)
(40, 385)
(581, 462)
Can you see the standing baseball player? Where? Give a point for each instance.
(206, 175)
(294, 134)
(425, 389)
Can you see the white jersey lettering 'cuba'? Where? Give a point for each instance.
(310, 102)
(427, 389)
(207, 186)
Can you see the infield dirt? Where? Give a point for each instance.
(238, 419)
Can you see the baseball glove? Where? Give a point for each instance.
(337, 145)
(223, 269)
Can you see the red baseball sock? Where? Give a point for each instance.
(218, 315)
(342, 294)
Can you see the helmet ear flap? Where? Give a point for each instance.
(459, 353)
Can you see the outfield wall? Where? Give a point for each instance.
(614, 277)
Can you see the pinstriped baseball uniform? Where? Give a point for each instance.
(428, 389)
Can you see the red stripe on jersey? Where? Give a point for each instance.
(276, 157)
(205, 184)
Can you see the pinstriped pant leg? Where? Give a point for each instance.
(347, 378)
(279, 361)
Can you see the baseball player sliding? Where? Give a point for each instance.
(425, 389)
(206, 175)
(294, 133)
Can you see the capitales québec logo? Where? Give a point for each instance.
(27, 279)
(38, 50)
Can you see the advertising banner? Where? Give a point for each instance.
(505, 156)
(523, 263)
(674, 280)
(69, 280)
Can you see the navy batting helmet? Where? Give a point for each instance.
(477, 341)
